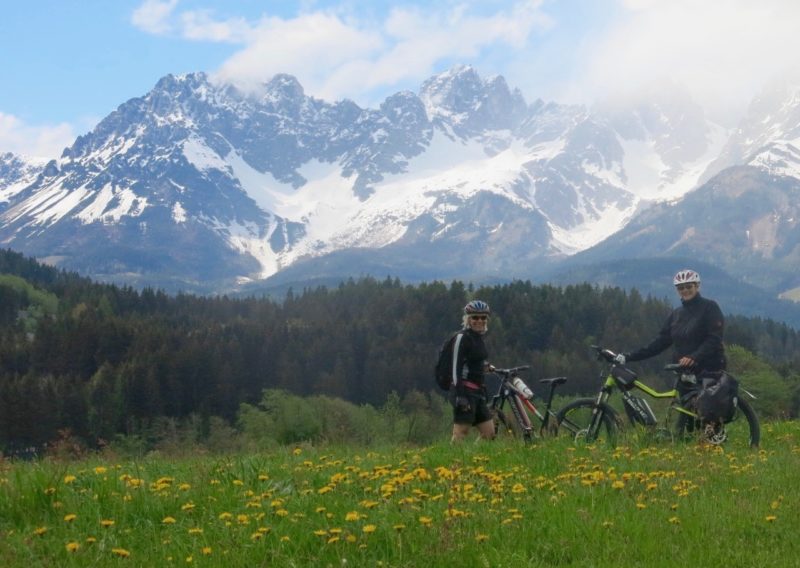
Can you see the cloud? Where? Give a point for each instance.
(35, 141)
(338, 53)
(723, 52)
(153, 16)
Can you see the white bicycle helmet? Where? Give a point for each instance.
(686, 276)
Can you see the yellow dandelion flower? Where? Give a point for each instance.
(195, 530)
(481, 537)
(297, 451)
(518, 488)
(281, 512)
(263, 477)
(100, 470)
(770, 518)
(242, 519)
(369, 529)
(206, 550)
(285, 538)
(69, 479)
(264, 530)
(608, 524)
(238, 482)
(71, 517)
(333, 539)
(39, 531)
(189, 559)
(425, 520)
(168, 520)
(352, 516)
(49, 490)
(351, 538)
(320, 510)
(121, 552)
(256, 536)
(399, 528)
(72, 546)
(225, 516)
(675, 520)
(320, 532)
(641, 506)
(184, 487)
(107, 523)
(618, 484)
(187, 506)
(90, 540)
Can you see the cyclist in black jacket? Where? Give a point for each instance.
(470, 358)
(694, 330)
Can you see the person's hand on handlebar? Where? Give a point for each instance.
(620, 359)
(686, 362)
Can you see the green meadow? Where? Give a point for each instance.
(490, 504)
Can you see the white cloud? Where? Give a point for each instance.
(35, 141)
(722, 51)
(153, 16)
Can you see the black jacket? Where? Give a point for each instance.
(471, 358)
(694, 330)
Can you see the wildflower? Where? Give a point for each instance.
(675, 520)
(618, 484)
(770, 518)
(72, 546)
(320, 532)
(90, 540)
(369, 529)
(352, 516)
(195, 530)
(184, 487)
(187, 506)
(297, 451)
(224, 516)
(71, 517)
(481, 537)
(168, 520)
(285, 538)
(256, 536)
(242, 519)
(107, 523)
(518, 488)
(399, 528)
(238, 482)
(206, 551)
(425, 520)
(333, 539)
(69, 479)
(100, 470)
(351, 538)
(263, 477)
(121, 552)
(39, 531)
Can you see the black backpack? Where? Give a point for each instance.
(718, 399)
(443, 371)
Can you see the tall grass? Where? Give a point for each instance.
(477, 504)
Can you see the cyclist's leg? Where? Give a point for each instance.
(483, 419)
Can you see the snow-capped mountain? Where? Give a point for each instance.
(17, 173)
(200, 187)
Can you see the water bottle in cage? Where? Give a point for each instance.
(520, 385)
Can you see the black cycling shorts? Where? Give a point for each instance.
(478, 412)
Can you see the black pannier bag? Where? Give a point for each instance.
(624, 375)
(718, 399)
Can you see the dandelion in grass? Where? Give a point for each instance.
(641, 506)
(71, 517)
(107, 523)
(481, 537)
(90, 540)
(72, 546)
(618, 484)
(425, 521)
(121, 552)
(100, 470)
(195, 530)
(243, 519)
(225, 516)
(206, 551)
(184, 487)
(351, 538)
(187, 506)
(69, 479)
(399, 528)
(607, 524)
(674, 520)
(770, 518)
(518, 488)
(333, 539)
(168, 520)
(285, 538)
(320, 532)
(282, 512)
(369, 529)
(256, 536)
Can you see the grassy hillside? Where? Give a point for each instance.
(483, 504)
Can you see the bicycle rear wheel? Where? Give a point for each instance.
(743, 430)
(579, 420)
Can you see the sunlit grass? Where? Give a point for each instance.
(496, 504)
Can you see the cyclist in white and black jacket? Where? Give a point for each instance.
(470, 363)
(694, 330)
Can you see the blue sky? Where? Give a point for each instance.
(65, 64)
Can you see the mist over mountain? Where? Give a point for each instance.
(197, 186)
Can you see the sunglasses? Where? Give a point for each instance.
(684, 286)
(481, 318)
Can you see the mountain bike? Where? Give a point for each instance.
(513, 393)
(601, 422)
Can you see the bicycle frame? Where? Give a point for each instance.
(522, 407)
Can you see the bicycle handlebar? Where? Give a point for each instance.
(511, 371)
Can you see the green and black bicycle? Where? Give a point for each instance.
(601, 422)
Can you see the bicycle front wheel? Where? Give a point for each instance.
(580, 420)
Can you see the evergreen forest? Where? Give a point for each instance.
(98, 362)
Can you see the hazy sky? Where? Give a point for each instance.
(65, 64)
